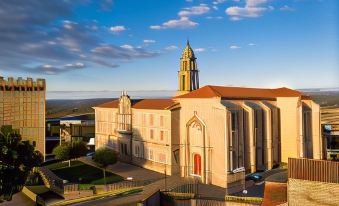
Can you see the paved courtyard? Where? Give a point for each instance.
(127, 170)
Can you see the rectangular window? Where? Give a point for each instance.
(235, 142)
(151, 154)
(151, 134)
(125, 146)
(162, 135)
(161, 121)
(137, 151)
(151, 120)
(162, 158)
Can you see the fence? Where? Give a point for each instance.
(107, 188)
(313, 170)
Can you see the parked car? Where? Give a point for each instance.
(256, 177)
(90, 154)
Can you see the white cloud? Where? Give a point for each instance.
(216, 2)
(251, 44)
(172, 47)
(126, 46)
(155, 27)
(117, 29)
(215, 17)
(183, 22)
(69, 24)
(286, 8)
(235, 47)
(245, 11)
(199, 50)
(195, 10)
(76, 65)
(252, 9)
(149, 41)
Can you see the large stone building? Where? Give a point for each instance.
(215, 133)
(22, 105)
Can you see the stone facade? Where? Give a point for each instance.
(214, 133)
(22, 105)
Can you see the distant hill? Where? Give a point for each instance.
(325, 98)
(59, 108)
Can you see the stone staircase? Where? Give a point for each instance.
(51, 181)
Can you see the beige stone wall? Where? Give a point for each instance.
(290, 121)
(316, 129)
(213, 115)
(151, 136)
(106, 127)
(22, 105)
(304, 192)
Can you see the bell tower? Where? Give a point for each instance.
(188, 75)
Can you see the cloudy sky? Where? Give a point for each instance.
(90, 45)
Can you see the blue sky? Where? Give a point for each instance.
(87, 45)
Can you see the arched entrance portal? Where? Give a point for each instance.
(196, 148)
(197, 164)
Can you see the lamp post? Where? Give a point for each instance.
(165, 179)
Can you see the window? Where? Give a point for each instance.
(235, 142)
(162, 158)
(162, 135)
(137, 151)
(151, 120)
(151, 157)
(151, 134)
(123, 148)
(161, 121)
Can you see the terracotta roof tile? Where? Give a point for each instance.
(158, 104)
(111, 104)
(154, 104)
(240, 92)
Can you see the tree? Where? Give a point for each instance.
(17, 158)
(68, 151)
(78, 149)
(62, 152)
(105, 157)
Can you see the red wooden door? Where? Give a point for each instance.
(197, 164)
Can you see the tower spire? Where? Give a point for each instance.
(188, 75)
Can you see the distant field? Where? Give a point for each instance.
(59, 108)
(329, 102)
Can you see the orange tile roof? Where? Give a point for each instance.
(154, 104)
(111, 104)
(157, 104)
(240, 92)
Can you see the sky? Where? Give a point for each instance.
(114, 45)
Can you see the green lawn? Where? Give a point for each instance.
(82, 173)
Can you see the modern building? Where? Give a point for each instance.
(69, 128)
(215, 133)
(22, 105)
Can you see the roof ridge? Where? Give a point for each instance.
(213, 90)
